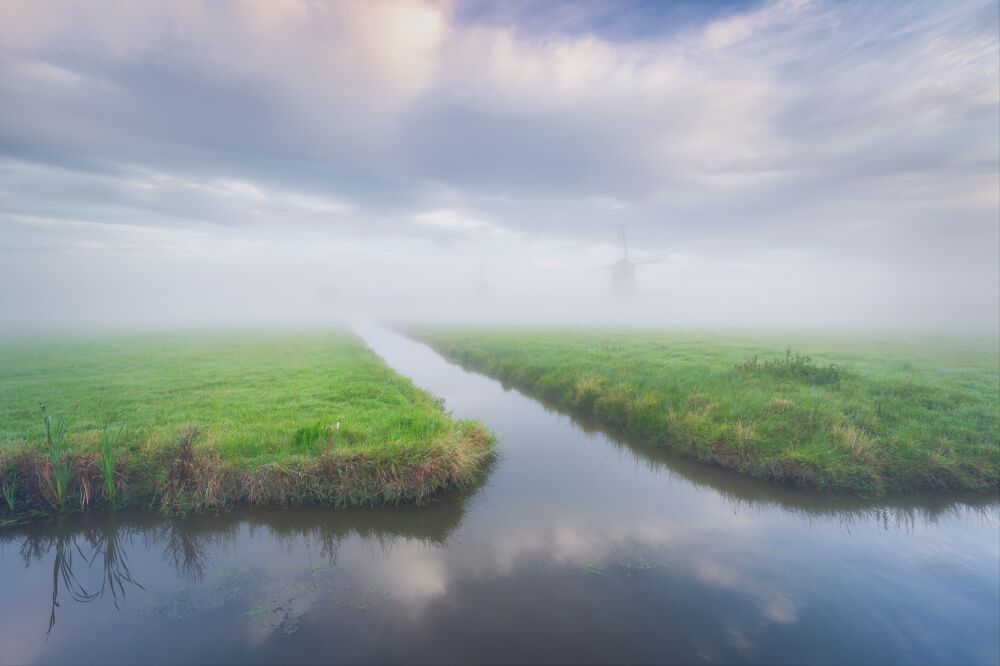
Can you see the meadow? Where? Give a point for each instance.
(193, 421)
(867, 415)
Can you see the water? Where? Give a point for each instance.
(577, 547)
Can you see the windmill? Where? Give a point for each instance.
(623, 271)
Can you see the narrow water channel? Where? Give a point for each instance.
(578, 547)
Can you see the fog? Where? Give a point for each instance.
(778, 164)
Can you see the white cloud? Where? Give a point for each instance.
(459, 224)
(856, 137)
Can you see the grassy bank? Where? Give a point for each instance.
(187, 422)
(867, 416)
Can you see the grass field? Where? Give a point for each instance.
(864, 415)
(189, 421)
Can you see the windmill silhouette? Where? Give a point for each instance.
(623, 271)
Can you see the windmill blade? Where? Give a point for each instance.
(655, 260)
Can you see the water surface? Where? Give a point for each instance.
(577, 547)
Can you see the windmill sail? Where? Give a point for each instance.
(623, 271)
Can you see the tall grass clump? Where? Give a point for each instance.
(794, 366)
(9, 490)
(59, 469)
(110, 444)
(312, 438)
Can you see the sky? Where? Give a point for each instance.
(785, 163)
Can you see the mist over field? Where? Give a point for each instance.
(499, 331)
(777, 164)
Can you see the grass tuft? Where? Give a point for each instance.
(59, 468)
(9, 489)
(781, 404)
(856, 441)
(112, 437)
(794, 365)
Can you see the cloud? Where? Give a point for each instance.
(862, 138)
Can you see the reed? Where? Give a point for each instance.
(59, 470)
(9, 489)
(112, 437)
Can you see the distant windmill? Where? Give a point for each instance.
(623, 271)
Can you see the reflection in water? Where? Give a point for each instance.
(186, 552)
(409, 559)
(577, 547)
(98, 545)
(744, 494)
(62, 570)
(112, 545)
(106, 547)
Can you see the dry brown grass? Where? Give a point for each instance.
(780, 404)
(855, 440)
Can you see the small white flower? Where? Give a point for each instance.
(338, 425)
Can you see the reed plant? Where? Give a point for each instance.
(59, 470)
(9, 490)
(112, 438)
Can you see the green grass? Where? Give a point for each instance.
(108, 450)
(57, 471)
(860, 414)
(199, 420)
